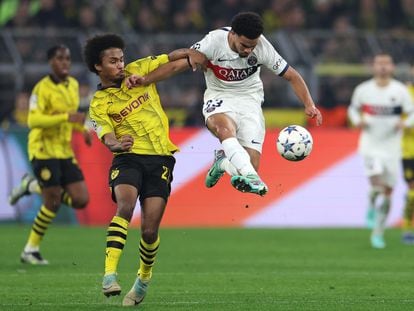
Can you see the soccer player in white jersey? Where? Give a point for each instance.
(376, 107)
(234, 96)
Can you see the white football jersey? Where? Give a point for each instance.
(381, 108)
(231, 76)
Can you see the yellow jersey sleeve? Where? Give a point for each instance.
(101, 121)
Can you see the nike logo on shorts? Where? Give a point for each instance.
(256, 142)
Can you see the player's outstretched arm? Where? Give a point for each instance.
(180, 60)
(302, 92)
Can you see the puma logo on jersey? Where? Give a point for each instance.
(118, 117)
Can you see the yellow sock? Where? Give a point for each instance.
(147, 252)
(408, 211)
(41, 223)
(115, 242)
(66, 198)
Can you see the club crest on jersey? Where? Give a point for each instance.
(114, 174)
(252, 60)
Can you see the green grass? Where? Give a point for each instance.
(215, 269)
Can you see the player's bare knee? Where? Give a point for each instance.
(80, 203)
(149, 235)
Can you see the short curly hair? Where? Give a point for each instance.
(248, 24)
(51, 52)
(94, 47)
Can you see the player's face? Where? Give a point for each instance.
(242, 45)
(383, 66)
(112, 65)
(60, 63)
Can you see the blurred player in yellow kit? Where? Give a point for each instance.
(408, 168)
(52, 118)
(134, 127)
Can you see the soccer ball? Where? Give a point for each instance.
(294, 143)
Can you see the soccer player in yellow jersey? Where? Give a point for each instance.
(133, 125)
(408, 168)
(52, 118)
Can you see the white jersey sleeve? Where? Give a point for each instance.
(354, 112)
(270, 57)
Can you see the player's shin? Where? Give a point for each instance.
(408, 210)
(41, 223)
(115, 242)
(148, 252)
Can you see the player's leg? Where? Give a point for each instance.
(116, 235)
(386, 182)
(48, 174)
(51, 203)
(373, 170)
(250, 135)
(28, 185)
(152, 211)
(408, 212)
(75, 192)
(156, 189)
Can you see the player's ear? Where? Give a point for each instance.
(98, 67)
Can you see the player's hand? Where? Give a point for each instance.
(197, 60)
(134, 81)
(400, 125)
(314, 113)
(77, 117)
(87, 137)
(126, 142)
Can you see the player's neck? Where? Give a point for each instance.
(382, 81)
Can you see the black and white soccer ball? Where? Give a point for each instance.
(294, 143)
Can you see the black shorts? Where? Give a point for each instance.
(150, 174)
(56, 172)
(408, 168)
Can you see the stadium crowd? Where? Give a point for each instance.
(199, 16)
(341, 21)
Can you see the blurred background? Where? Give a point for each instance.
(330, 42)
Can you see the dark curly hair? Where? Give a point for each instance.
(94, 47)
(248, 24)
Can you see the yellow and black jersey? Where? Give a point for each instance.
(136, 111)
(50, 132)
(408, 136)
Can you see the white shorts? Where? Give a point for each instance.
(249, 119)
(387, 168)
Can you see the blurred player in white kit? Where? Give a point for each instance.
(377, 106)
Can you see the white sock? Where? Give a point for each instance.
(238, 156)
(30, 249)
(381, 216)
(228, 167)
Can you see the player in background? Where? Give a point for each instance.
(234, 95)
(134, 127)
(376, 108)
(52, 118)
(408, 169)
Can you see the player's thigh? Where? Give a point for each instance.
(157, 178)
(125, 170)
(73, 181)
(78, 193)
(47, 172)
(222, 125)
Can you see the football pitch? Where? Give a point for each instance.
(214, 269)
